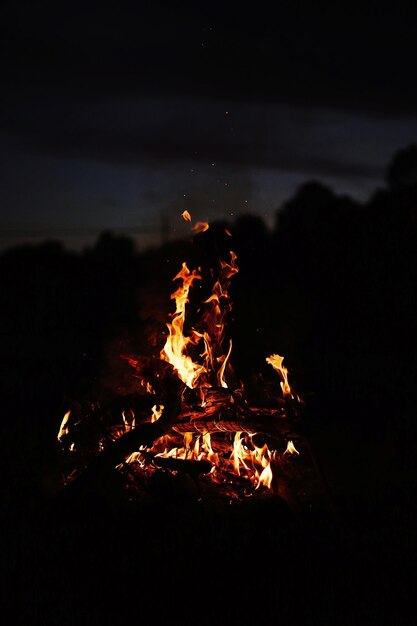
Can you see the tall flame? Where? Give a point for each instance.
(63, 429)
(218, 305)
(215, 359)
(276, 361)
(174, 350)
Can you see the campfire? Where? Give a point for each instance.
(190, 421)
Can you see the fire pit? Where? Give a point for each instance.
(190, 427)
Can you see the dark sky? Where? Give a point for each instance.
(123, 116)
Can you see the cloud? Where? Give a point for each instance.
(158, 132)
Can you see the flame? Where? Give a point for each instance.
(186, 216)
(291, 449)
(247, 460)
(157, 411)
(255, 460)
(218, 305)
(129, 422)
(200, 227)
(63, 429)
(176, 344)
(201, 450)
(276, 361)
(243, 458)
(208, 451)
(224, 361)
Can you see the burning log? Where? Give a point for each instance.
(143, 435)
(195, 395)
(225, 411)
(264, 424)
(185, 466)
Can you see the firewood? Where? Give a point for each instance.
(261, 423)
(186, 466)
(143, 435)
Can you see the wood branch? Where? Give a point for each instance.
(267, 423)
(143, 435)
(185, 466)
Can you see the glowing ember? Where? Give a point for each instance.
(200, 227)
(186, 216)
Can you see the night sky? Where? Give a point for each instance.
(121, 117)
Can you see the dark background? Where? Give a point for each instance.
(327, 278)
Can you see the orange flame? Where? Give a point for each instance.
(218, 304)
(157, 411)
(186, 216)
(246, 460)
(128, 421)
(200, 227)
(176, 344)
(276, 361)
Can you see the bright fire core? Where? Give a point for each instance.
(201, 358)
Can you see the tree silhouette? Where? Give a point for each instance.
(402, 170)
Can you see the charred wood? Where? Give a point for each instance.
(143, 435)
(186, 466)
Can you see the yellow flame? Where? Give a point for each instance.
(188, 438)
(247, 459)
(276, 361)
(237, 455)
(174, 350)
(220, 374)
(157, 411)
(147, 385)
(63, 429)
(129, 422)
(212, 370)
(255, 462)
(291, 449)
(207, 450)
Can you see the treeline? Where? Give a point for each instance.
(332, 288)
